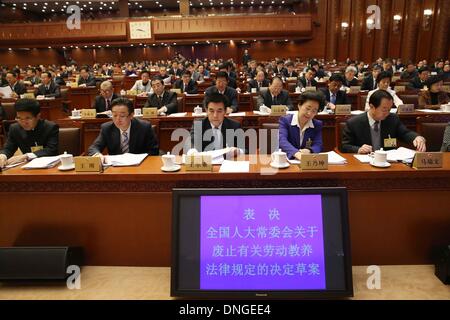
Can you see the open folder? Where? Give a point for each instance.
(42, 163)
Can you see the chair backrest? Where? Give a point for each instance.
(5, 128)
(362, 97)
(180, 104)
(64, 93)
(432, 129)
(70, 141)
(410, 99)
(10, 111)
(339, 130)
(272, 138)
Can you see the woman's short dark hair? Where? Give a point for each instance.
(28, 105)
(317, 96)
(384, 75)
(378, 96)
(123, 102)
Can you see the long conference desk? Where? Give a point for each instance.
(122, 216)
(165, 126)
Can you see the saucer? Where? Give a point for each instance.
(385, 165)
(176, 167)
(61, 168)
(74, 118)
(273, 165)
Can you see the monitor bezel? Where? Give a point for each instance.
(262, 294)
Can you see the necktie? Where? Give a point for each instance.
(108, 104)
(217, 140)
(259, 85)
(160, 100)
(124, 147)
(47, 89)
(333, 99)
(376, 126)
(275, 101)
(308, 84)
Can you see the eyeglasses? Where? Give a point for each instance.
(26, 119)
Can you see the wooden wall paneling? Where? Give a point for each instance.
(333, 10)
(357, 26)
(83, 56)
(32, 56)
(396, 33)
(382, 35)
(441, 43)
(343, 43)
(425, 35)
(411, 25)
(316, 46)
(368, 38)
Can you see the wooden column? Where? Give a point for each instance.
(440, 35)
(356, 27)
(409, 42)
(184, 7)
(382, 37)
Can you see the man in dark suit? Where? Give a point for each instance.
(17, 87)
(124, 134)
(370, 82)
(106, 71)
(333, 94)
(367, 132)
(175, 70)
(48, 87)
(308, 79)
(246, 58)
(420, 81)
(165, 101)
(275, 95)
(103, 102)
(349, 78)
(259, 82)
(216, 132)
(231, 82)
(186, 84)
(280, 69)
(86, 79)
(410, 72)
(222, 87)
(290, 72)
(34, 136)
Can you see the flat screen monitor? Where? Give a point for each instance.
(274, 243)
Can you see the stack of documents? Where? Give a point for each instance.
(395, 155)
(235, 166)
(179, 114)
(42, 163)
(237, 114)
(125, 160)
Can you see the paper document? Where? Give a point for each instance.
(126, 159)
(237, 114)
(179, 114)
(400, 154)
(235, 166)
(364, 158)
(42, 163)
(356, 112)
(6, 91)
(429, 110)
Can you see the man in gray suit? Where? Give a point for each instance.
(276, 95)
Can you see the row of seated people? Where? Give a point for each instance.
(299, 133)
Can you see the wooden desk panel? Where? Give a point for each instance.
(123, 216)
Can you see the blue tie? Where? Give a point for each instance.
(333, 98)
(125, 147)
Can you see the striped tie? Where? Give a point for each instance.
(125, 147)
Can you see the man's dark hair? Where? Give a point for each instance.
(84, 68)
(187, 73)
(28, 105)
(48, 73)
(123, 102)
(271, 81)
(216, 98)
(13, 73)
(145, 71)
(317, 96)
(222, 74)
(336, 77)
(384, 75)
(423, 69)
(157, 78)
(378, 96)
(310, 69)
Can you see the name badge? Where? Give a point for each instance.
(399, 88)
(424, 160)
(343, 109)
(198, 162)
(35, 149)
(314, 162)
(88, 164)
(405, 108)
(88, 113)
(390, 142)
(278, 110)
(355, 89)
(310, 89)
(150, 112)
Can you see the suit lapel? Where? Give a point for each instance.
(133, 135)
(115, 140)
(295, 131)
(366, 129)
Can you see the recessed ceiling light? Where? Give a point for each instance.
(110, 8)
(53, 10)
(49, 47)
(9, 49)
(64, 47)
(107, 45)
(35, 4)
(43, 10)
(56, 3)
(140, 6)
(76, 47)
(132, 45)
(85, 46)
